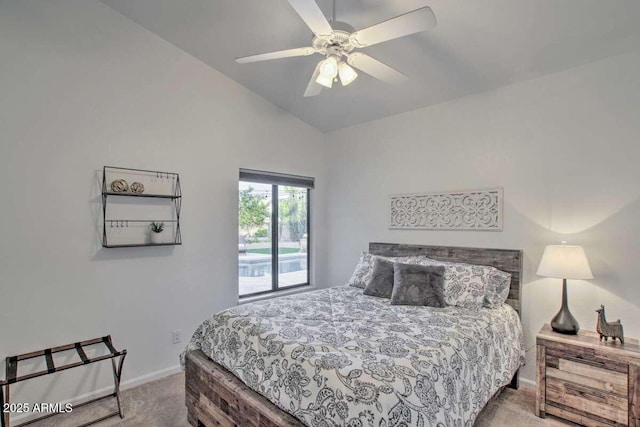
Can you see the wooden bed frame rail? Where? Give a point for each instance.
(216, 397)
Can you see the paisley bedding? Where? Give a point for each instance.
(336, 357)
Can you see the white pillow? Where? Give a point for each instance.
(362, 272)
(465, 285)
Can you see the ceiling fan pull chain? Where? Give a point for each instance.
(334, 10)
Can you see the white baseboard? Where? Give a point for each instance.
(528, 383)
(124, 385)
(133, 382)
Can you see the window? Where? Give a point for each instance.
(273, 232)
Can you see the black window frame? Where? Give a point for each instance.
(276, 180)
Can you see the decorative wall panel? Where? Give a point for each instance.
(457, 210)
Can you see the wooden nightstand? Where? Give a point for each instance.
(587, 381)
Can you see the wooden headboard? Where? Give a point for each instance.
(507, 260)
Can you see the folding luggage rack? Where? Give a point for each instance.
(12, 371)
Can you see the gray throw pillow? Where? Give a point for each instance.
(380, 283)
(418, 285)
(362, 272)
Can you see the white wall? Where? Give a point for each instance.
(565, 148)
(83, 87)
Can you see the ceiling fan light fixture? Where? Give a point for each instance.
(337, 40)
(329, 68)
(327, 71)
(325, 81)
(347, 74)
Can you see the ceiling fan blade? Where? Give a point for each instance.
(311, 14)
(413, 22)
(375, 68)
(314, 88)
(301, 51)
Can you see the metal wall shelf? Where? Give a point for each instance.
(175, 199)
(157, 196)
(139, 245)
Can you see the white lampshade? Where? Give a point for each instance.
(564, 262)
(329, 67)
(325, 81)
(328, 71)
(347, 74)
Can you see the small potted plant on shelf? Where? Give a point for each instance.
(156, 232)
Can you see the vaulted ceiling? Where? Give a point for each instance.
(477, 46)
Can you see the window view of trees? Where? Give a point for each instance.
(253, 212)
(256, 205)
(293, 214)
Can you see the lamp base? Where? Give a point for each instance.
(564, 322)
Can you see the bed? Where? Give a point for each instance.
(337, 357)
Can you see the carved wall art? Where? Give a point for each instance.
(457, 210)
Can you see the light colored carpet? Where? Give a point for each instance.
(161, 403)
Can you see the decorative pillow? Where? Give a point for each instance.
(497, 289)
(362, 272)
(465, 285)
(415, 284)
(380, 283)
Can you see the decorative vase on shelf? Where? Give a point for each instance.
(155, 233)
(156, 238)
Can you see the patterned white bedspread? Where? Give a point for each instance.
(336, 357)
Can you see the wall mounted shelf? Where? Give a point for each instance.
(157, 196)
(139, 245)
(163, 186)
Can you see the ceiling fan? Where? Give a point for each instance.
(337, 41)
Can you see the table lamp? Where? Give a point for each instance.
(564, 262)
